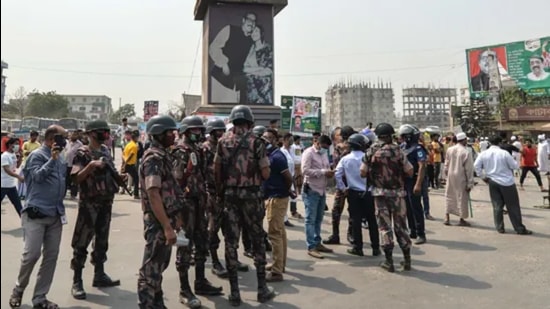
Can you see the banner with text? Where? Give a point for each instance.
(524, 64)
(305, 116)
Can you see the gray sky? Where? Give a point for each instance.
(144, 50)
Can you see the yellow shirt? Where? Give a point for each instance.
(476, 147)
(130, 149)
(437, 152)
(29, 147)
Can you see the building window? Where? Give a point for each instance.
(82, 108)
(84, 99)
(73, 99)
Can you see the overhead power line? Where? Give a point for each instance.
(412, 68)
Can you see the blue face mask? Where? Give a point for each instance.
(268, 146)
(323, 151)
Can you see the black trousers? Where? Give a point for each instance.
(431, 175)
(361, 205)
(437, 173)
(70, 184)
(505, 195)
(415, 211)
(533, 170)
(132, 171)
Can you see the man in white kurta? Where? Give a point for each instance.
(517, 155)
(543, 152)
(459, 167)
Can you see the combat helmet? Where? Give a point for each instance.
(384, 129)
(214, 124)
(160, 124)
(259, 130)
(97, 125)
(191, 122)
(241, 112)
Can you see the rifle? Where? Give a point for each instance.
(115, 175)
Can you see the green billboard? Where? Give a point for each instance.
(524, 64)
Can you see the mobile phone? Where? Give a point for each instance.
(59, 141)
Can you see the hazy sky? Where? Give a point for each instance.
(140, 50)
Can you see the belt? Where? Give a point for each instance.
(357, 191)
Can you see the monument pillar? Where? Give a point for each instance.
(238, 56)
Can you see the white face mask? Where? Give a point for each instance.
(16, 148)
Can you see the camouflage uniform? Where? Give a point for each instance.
(189, 166)
(94, 213)
(156, 172)
(339, 201)
(214, 205)
(387, 165)
(242, 198)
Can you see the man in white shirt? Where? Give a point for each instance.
(120, 132)
(9, 175)
(70, 152)
(483, 145)
(543, 155)
(286, 149)
(498, 166)
(517, 155)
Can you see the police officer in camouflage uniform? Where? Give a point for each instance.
(341, 149)
(215, 130)
(240, 166)
(386, 166)
(161, 205)
(94, 172)
(189, 171)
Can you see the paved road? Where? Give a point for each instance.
(459, 267)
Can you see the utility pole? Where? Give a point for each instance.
(119, 103)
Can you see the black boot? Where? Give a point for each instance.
(202, 285)
(407, 262)
(78, 290)
(235, 295)
(101, 279)
(186, 295)
(265, 292)
(388, 263)
(333, 239)
(217, 267)
(242, 267)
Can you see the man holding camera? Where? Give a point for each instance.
(94, 172)
(42, 217)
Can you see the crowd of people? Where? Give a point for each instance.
(200, 179)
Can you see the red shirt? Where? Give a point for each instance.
(529, 156)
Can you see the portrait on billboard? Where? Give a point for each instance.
(241, 54)
(485, 66)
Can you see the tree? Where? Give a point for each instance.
(177, 111)
(126, 110)
(17, 104)
(47, 105)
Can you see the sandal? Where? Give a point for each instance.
(15, 299)
(447, 222)
(464, 223)
(46, 304)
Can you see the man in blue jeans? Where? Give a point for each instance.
(316, 170)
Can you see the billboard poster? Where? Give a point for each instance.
(527, 113)
(150, 109)
(524, 64)
(240, 54)
(306, 116)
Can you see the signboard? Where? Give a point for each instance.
(150, 109)
(239, 54)
(524, 64)
(305, 115)
(527, 113)
(285, 118)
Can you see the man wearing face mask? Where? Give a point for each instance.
(189, 171)
(240, 166)
(9, 175)
(215, 129)
(160, 201)
(70, 152)
(316, 169)
(94, 172)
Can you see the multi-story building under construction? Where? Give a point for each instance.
(355, 104)
(428, 106)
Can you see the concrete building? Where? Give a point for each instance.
(428, 106)
(355, 104)
(3, 94)
(94, 106)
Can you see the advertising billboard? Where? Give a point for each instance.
(150, 109)
(305, 117)
(240, 54)
(527, 113)
(524, 64)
